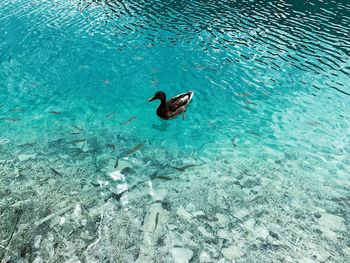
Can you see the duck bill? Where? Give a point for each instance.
(150, 99)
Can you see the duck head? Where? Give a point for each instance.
(160, 95)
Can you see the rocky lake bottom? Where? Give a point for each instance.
(64, 201)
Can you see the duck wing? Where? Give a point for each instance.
(179, 101)
(175, 113)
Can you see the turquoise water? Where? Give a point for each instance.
(258, 172)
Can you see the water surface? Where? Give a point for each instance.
(258, 170)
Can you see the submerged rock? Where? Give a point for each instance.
(26, 157)
(330, 224)
(181, 255)
(241, 214)
(222, 220)
(204, 232)
(153, 226)
(204, 257)
(224, 234)
(249, 182)
(231, 252)
(181, 212)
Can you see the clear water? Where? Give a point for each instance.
(258, 172)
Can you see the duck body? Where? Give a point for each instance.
(169, 109)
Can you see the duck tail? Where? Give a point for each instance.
(191, 94)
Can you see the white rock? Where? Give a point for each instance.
(289, 259)
(223, 221)
(205, 232)
(84, 147)
(224, 234)
(198, 213)
(37, 241)
(330, 224)
(204, 257)
(154, 223)
(122, 164)
(232, 252)
(240, 214)
(171, 227)
(226, 179)
(26, 157)
(38, 259)
(347, 251)
(160, 195)
(249, 224)
(318, 252)
(190, 207)
(181, 255)
(62, 220)
(181, 212)
(261, 231)
(307, 260)
(73, 259)
(322, 255)
(4, 141)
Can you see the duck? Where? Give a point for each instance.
(169, 109)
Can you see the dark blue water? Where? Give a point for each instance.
(258, 170)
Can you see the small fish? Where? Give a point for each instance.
(131, 119)
(18, 214)
(9, 119)
(247, 108)
(76, 127)
(183, 168)
(95, 184)
(106, 82)
(55, 112)
(75, 133)
(78, 141)
(243, 94)
(233, 140)
(154, 82)
(1, 105)
(137, 58)
(254, 199)
(56, 141)
(26, 144)
(134, 149)
(108, 115)
(111, 146)
(313, 123)
(339, 199)
(164, 177)
(55, 171)
(116, 162)
(17, 110)
(254, 133)
(250, 102)
(161, 128)
(156, 222)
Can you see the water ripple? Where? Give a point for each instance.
(282, 36)
(309, 38)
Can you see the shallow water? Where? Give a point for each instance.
(258, 172)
